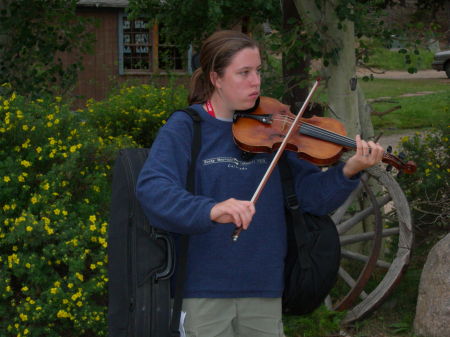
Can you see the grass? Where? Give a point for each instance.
(395, 59)
(424, 102)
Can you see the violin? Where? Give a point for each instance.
(319, 140)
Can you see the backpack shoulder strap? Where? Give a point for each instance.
(298, 224)
(184, 239)
(195, 149)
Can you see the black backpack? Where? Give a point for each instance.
(141, 257)
(314, 253)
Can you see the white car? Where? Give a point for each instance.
(442, 62)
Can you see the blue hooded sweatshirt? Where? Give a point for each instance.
(218, 267)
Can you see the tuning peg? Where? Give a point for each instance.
(389, 168)
(389, 149)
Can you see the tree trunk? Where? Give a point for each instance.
(345, 99)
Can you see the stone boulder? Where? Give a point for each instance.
(433, 302)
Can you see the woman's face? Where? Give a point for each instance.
(239, 87)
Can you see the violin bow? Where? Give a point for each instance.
(276, 158)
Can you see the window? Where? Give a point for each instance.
(142, 50)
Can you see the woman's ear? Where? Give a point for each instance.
(214, 78)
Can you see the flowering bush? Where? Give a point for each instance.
(55, 175)
(428, 189)
(54, 198)
(136, 111)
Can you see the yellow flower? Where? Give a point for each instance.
(29, 229)
(23, 317)
(21, 178)
(25, 127)
(6, 179)
(49, 230)
(92, 218)
(25, 163)
(79, 276)
(53, 290)
(73, 148)
(92, 227)
(62, 314)
(39, 149)
(34, 200)
(25, 288)
(46, 186)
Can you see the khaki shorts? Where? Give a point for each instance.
(233, 317)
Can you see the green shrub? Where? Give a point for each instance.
(54, 199)
(136, 111)
(321, 322)
(428, 189)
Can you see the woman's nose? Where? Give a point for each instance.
(255, 79)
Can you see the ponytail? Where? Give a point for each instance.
(201, 87)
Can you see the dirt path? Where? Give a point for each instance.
(396, 74)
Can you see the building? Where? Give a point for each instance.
(125, 51)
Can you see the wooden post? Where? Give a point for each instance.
(155, 47)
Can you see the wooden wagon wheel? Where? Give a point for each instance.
(376, 253)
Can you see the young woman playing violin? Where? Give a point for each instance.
(233, 288)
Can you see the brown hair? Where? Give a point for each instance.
(215, 55)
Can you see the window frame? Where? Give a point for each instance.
(154, 60)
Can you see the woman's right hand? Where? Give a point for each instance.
(239, 212)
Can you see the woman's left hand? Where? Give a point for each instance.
(367, 154)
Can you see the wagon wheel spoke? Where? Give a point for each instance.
(364, 258)
(356, 280)
(350, 281)
(393, 233)
(340, 212)
(361, 215)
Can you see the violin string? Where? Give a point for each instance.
(318, 132)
